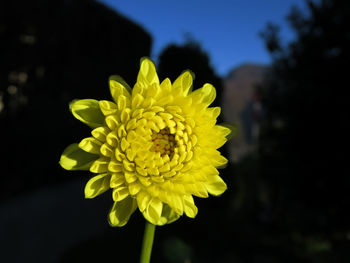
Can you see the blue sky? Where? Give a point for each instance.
(226, 29)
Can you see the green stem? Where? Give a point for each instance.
(147, 243)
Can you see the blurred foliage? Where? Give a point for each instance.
(51, 53)
(175, 250)
(303, 137)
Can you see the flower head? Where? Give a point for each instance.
(155, 146)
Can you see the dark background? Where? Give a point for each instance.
(286, 202)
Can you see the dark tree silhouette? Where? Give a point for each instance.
(305, 132)
(51, 53)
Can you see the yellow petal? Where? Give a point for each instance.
(145, 181)
(119, 193)
(119, 155)
(134, 188)
(131, 124)
(147, 74)
(100, 133)
(205, 95)
(130, 177)
(175, 202)
(124, 144)
(100, 165)
(219, 161)
(122, 102)
(184, 82)
(189, 207)
(131, 136)
(125, 115)
(209, 93)
(143, 199)
(106, 150)
(117, 180)
(112, 122)
(137, 101)
(115, 167)
(112, 139)
(90, 145)
(74, 158)
(121, 131)
(166, 86)
(153, 91)
(222, 131)
(97, 185)
(179, 188)
(213, 158)
(121, 212)
(128, 166)
(137, 114)
(118, 87)
(213, 112)
(153, 211)
(108, 107)
(165, 99)
(215, 185)
(138, 89)
(87, 111)
(141, 171)
(168, 216)
(197, 189)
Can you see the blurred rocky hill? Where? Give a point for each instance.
(241, 107)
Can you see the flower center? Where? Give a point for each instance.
(163, 142)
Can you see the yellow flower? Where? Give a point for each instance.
(155, 146)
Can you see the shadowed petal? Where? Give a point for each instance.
(215, 185)
(88, 111)
(118, 87)
(121, 212)
(74, 158)
(97, 185)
